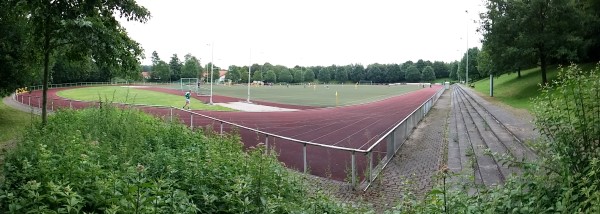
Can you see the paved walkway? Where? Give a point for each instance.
(9, 101)
(412, 168)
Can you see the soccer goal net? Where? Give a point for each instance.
(365, 82)
(192, 84)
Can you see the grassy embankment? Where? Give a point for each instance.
(12, 123)
(518, 92)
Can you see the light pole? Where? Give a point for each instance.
(212, 64)
(249, 71)
(467, 68)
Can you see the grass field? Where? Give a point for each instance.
(318, 95)
(134, 96)
(518, 92)
(12, 122)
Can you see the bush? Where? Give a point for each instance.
(108, 160)
(567, 177)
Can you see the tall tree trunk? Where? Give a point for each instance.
(46, 73)
(543, 66)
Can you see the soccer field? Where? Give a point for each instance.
(314, 95)
(120, 94)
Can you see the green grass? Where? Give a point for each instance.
(518, 92)
(134, 96)
(319, 95)
(514, 91)
(13, 122)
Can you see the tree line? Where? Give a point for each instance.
(523, 34)
(409, 71)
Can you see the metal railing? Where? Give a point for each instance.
(388, 144)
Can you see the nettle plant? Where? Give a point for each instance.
(110, 160)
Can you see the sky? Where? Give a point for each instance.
(308, 32)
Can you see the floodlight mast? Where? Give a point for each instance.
(467, 68)
(212, 64)
(249, 70)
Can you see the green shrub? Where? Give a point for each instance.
(566, 179)
(109, 160)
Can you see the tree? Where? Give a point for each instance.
(191, 67)
(18, 63)
(309, 75)
(428, 75)
(324, 75)
(69, 70)
(212, 69)
(357, 72)
(413, 74)
(473, 72)
(420, 65)
(548, 30)
(485, 66)
(234, 73)
(454, 70)
(270, 76)
(244, 76)
(89, 26)
(394, 73)
(405, 65)
(160, 71)
(257, 76)
(441, 69)
(175, 67)
(298, 75)
(285, 76)
(155, 58)
(341, 74)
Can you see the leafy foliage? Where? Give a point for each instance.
(111, 160)
(413, 74)
(567, 177)
(191, 67)
(285, 76)
(521, 33)
(270, 76)
(428, 74)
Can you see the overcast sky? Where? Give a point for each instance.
(308, 32)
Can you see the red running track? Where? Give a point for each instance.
(357, 126)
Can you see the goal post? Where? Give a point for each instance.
(192, 84)
(365, 82)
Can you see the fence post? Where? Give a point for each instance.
(353, 170)
(39, 103)
(221, 128)
(391, 149)
(29, 100)
(370, 156)
(191, 120)
(266, 144)
(71, 104)
(304, 157)
(52, 105)
(171, 113)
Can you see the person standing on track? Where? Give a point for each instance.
(187, 99)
